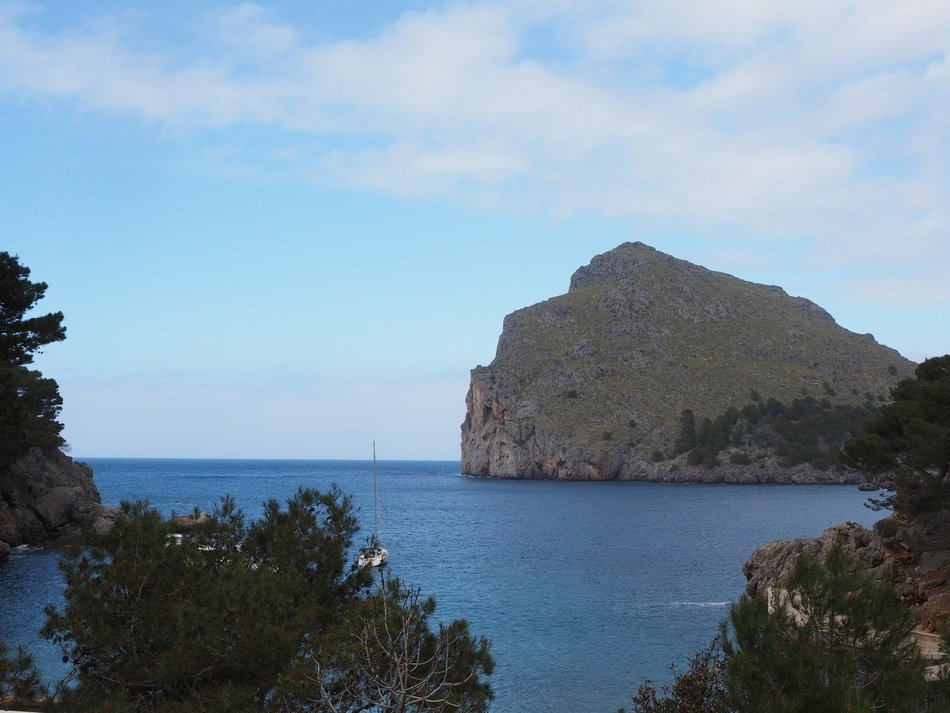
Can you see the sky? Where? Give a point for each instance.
(288, 229)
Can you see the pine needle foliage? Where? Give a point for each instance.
(909, 440)
(698, 689)
(29, 403)
(19, 679)
(237, 616)
(832, 640)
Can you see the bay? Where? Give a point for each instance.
(585, 589)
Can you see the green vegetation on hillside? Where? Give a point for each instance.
(641, 336)
(29, 403)
(270, 616)
(807, 431)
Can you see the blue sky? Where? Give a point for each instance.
(286, 229)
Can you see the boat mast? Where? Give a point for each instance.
(379, 523)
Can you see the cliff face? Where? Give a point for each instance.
(914, 558)
(45, 496)
(592, 384)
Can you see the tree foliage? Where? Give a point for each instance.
(29, 403)
(19, 679)
(910, 440)
(393, 662)
(698, 689)
(244, 617)
(834, 640)
(808, 430)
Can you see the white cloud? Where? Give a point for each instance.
(247, 29)
(818, 119)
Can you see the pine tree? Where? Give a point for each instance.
(910, 440)
(29, 403)
(231, 616)
(834, 640)
(19, 679)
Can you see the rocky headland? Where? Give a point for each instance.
(46, 496)
(597, 383)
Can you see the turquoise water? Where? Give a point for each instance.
(585, 589)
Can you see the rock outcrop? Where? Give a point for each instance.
(772, 563)
(914, 558)
(591, 385)
(45, 496)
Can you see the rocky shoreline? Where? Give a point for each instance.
(46, 496)
(914, 558)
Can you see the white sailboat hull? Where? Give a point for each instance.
(374, 557)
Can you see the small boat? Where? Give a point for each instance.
(374, 554)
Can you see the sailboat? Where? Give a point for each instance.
(374, 554)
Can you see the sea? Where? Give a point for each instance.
(585, 589)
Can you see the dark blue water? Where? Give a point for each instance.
(585, 589)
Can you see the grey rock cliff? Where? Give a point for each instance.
(590, 384)
(772, 563)
(45, 496)
(915, 559)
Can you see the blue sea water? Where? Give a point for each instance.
(585, 589)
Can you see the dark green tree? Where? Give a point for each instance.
(29, 403)
(225, 616)
(19, 680)
(909, 440)
(698, 689)
(807, 431)
(834, 640)
(687, 434)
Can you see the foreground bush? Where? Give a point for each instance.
(267, 616)
(834, 640)
(19, 680)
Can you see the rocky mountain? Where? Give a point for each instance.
(45, 496)
(652, 368)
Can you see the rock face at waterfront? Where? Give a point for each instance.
(593, 384)
(771, 564)
(915, 559)
(45, 496)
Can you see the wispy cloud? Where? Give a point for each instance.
(824, 120)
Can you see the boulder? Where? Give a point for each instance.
(933, 560)
(189, 521)
(772, 563)
(29, 528)
(8, 526)
(46, 495)
(55, 508)
(914, 558)
(100, 517)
